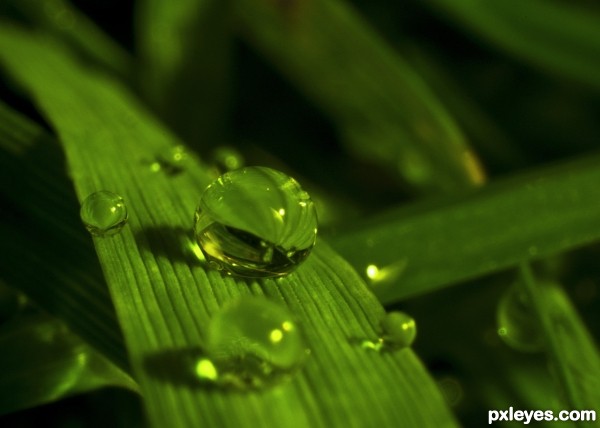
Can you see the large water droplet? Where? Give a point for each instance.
(518, 326)
(255, 222)
(103, 213)
(251, 342)
(398, 330)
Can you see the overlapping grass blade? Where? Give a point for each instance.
(420, 248)
(186, 53)
(60, 19)
(572, 351)
(42, 361)
(557, 36)
(164, 297)
(382, 108)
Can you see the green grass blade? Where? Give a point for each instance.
(419, 248)
(164, 298)
(571, 348)
(556, 36)
(42, 361)
(382, 108)
(186, 51)
(60, 19)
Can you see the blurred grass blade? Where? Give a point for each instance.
(558, 36)
(571, 348)
(488, 140)
(420, 248)
(164, 297)
(382, 108)
(40, 210)
(60, 19)
(42, 361)
(186, 55)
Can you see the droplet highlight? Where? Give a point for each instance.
(255, 222)
(250, 343)
(517, 325)
(104, 213)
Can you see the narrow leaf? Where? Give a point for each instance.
(382, 108)
(42, 361)
(557, 36)
(419, 248)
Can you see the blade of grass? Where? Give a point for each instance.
(186, 52)
(60, 19)
(163, 298)
(570, 347)
(383, 110)
(42, 361)
(40, 210)
(556, 36)
(417, 249)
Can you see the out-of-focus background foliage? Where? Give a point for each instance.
(403, 113)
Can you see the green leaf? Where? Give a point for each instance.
(42, 361)
(419, 248)
(382, 108)
(570, 347)
(557, 36)
(164, 297)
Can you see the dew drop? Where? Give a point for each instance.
(103, 213)
(171, 161)
(255, 222)
(517, 324)
(252, 342)
(398, 331)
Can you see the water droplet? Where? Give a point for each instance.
(226, 159)
(398, 330)
(11, 302)
(532, 250)
(171, 161)
(252, 342)
(388, 273)
(517, 324)
(451, 389)
(103, 213)
(255, 222)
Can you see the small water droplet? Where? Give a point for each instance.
(452, 390)
(388, 273)
(250, 222)
(171, 161)
(517, 324)
(532, 250)
(398, 330)
(225, 159)
(252, 342)
(103, 213)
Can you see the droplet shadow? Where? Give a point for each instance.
(177, 366)
(173, 242)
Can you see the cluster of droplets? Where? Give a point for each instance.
(398, 330)
(255, 222)
(250, 343)
(104, 213)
